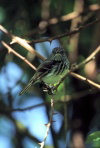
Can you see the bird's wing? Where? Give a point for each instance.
(44, 69)
(48, 65)
(26, 88)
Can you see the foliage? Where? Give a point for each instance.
(94, 139)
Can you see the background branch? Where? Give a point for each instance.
(88, 59)
(85, 80)
(65, 34)
(22, 42)
(10, 50)
(69, 16)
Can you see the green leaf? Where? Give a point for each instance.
(94, 139)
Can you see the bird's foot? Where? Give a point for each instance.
(48, 88)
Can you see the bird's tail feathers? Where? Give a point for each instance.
(26, 88)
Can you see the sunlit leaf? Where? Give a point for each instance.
(94, 139)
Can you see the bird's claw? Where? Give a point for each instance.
(49, 89)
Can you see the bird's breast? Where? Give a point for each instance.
(52, 78)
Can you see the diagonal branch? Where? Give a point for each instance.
(22, 42)
(10, 50)
(70, 16)
(85, 80)
(88, 59)
(66, 34)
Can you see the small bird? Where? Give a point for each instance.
(51, 70)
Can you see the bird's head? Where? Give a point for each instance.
(58, 50)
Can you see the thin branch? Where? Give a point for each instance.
(76, 96)
(72, 15)
(27, 108)
(85, 80)
(88, 59)
(65, 34)
(49, 124)
(78, 77)
(67, 17)
(10, 50)
(25, 44)
(22, 42)
(64, 99)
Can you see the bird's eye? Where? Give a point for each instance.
(61, 52)
(58, 50)
(54, 50)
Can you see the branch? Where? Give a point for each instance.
(71, 15)
(26, 108)
(10, 50)
(65, 34)
(49, 124)
(88, 59)
(63, 99)
(85, 80)
(76, 96)
(22, 42)
(67, 17)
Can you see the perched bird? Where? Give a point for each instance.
(51, 70)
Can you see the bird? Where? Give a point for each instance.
(51, 70)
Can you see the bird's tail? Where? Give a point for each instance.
(26, 88)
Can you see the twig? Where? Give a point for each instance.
(49, 124)
(77, 95)
(65, 34)
(70, 16)
(25, 44)
(26, 108)
(64, 99)
(88, 59)
(10, 50)
(85, 80)
(67, 17)
(22, 42)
